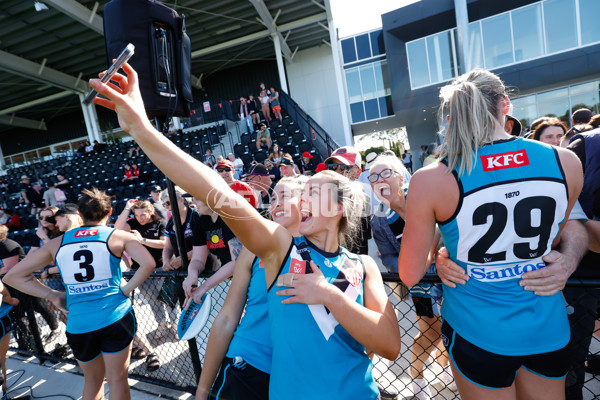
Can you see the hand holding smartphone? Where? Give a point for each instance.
(117, 65)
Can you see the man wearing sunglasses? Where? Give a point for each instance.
(161, 211)
(225, 169)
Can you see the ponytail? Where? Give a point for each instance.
(473, 103)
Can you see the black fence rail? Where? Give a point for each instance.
(313, 132)
(157, 305)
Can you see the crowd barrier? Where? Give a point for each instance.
(157, 315)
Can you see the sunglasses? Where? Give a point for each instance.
(386, 173)
(224, 169)
(50, 220)
(335, 166)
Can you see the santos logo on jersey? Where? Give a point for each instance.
(505, 160)
(502, 273)
(86, 233)
(88, 287)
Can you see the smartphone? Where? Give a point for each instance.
(117, 65)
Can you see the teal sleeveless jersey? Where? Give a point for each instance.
(314, 357)
(510, 208)
(92, 279)
(252, 338)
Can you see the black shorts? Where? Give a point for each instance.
(111, 339)
(238, 380)
(6, 326)
(495, 371)
(423, 306)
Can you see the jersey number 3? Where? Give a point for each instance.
(85, 258)
(522, 226)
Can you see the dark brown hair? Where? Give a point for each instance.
(93, 204)
(539, 129)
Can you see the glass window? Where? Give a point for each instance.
(417, 63)
(353, 85)
(348, 50)
(588, 17)
(528, 32)
(525, 110)
(363, 47)
(560, 24)
(497, 43)
(381, 78)
(358, 112)
(585, 96)
(441, 62)
(385, 106)
(372, 109)
(367, 80)
(554, 103)
(475, 46)
(377, 46)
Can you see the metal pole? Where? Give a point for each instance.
(462, 29)
(182, 252)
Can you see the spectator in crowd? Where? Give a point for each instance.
(431, 154)
(423, 154)
(63, 184)
(89, 148)
(307, 166)
(582, 116)
(81, 149)
(264, 136)
(216, 239)
(3, 217)
(8, 302)
(161, 211)
(407, 160)
(238, 165)
(129, 176)
(320, 167)
(47, 229)
(274, 172)
(249, 294)
(253, 107)
(149, 230)
(347, 161)
(68, 217)
(259, 178)
(372, 326)
(135, 148)
(594, 122)
(476, 103)
(3, 185)
(99, 147)
(245, 116)
(103, 316)
(580, 128)
(209, 159)
(263, 96)
(275, 104)
(550, 131)
(135, 171)
(13, 221)
(30, 196)
(53, 196)
(512, 126)
(287, 167)
(387, 178)
(276, 154)
(225, 170)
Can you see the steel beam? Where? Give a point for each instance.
(265, 15)
(31, 70)
(11, 120)
(35, 102)
(79, 13)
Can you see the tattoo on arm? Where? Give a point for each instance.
(236, 247)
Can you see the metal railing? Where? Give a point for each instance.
(157, 308)
(313, 132)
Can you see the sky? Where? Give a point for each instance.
(356, 16)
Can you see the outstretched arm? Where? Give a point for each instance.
(258, 234)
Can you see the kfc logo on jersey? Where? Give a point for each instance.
(86, 233)
(353, 277)
(511, 159)
(297, 266)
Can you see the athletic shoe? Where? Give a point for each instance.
(421, 390)
(388, 393)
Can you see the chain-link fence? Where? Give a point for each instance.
(420, 367)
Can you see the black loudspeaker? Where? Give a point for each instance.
(162, 56)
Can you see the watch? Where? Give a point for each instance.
(144, 241)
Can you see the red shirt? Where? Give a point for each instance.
(245, 190)
(129, 173)
(136, 172)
